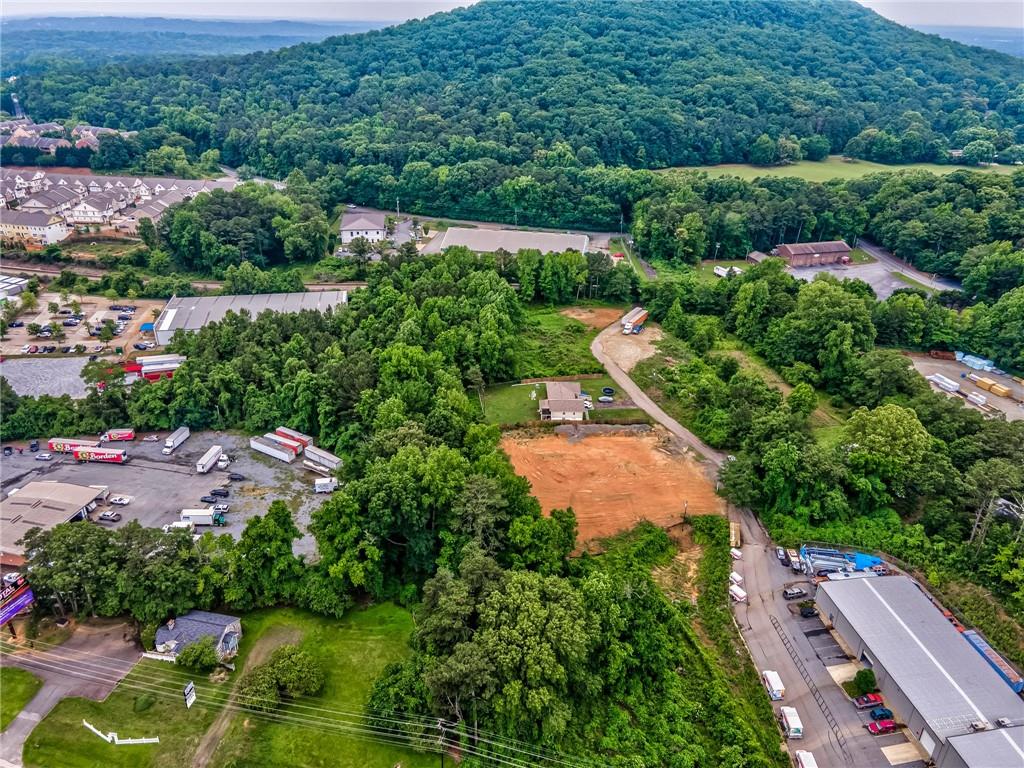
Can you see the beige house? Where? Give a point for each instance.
(563, 402)
(32, 228)
(369, 226)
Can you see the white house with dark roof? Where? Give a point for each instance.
(192, 627)
(365, 224)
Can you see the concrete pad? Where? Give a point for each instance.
(843, 672)
(898, 754)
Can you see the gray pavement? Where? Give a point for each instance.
(161, 486)
(46, 375)
(99, 645)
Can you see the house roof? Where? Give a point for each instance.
(808, 249)
(193, 626)
(576, 406)
(563, 390)
(944, 678)
(511, 240)
(363, 220)
(29, 218)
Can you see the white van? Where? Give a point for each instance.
(791, 724)
(773, 684)
(736, 579)
(805, 759)
(736, 554)
(737, 594)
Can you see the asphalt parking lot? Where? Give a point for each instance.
(161, 486)
(46, 375)
(877, 275)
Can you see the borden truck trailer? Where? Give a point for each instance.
(209, 459)
(176, 438)
(68, 445)
(106, 455)
(116, 435)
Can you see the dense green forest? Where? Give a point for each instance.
(501, 87)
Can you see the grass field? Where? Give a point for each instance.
(17, 687)
(512, 404)
(860, 256)
(149, 703)
(911, 282)
(835, 167)
(706, 269)
(556, 345)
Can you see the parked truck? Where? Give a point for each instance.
(627, 318)
(105, 455)
(203, 517)
(320, 456)
(292, 434)
(737, 593)
(118, 435)
(773, 684)
(636, 324)
(68, 445)
(791, 724)
(209, 459)
(325, 485)
(176, 438)
(271, 449)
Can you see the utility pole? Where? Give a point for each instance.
(517, 217)
(717, 246)
(398, 208)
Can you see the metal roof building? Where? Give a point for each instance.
(511, 240)
(41, 504)
(190, 313)
(934, 681)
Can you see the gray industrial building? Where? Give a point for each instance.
(933, 680)
(190, 313)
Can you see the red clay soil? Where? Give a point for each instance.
(612, 482)
(594, 317)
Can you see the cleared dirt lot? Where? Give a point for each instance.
(161, 486)
(627, 351)
(594, 317)
(952, 369)
(613, 481)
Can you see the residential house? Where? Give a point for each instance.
(55, 200)
(812, 254)
(97, 208)
(365, 224)
(192, 627)
(563, 402)
(32, 228)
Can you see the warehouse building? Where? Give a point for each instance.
(812, 254)
(190, 313)
(11, 286)
(961, 712)
(511, 240)
(41, 505)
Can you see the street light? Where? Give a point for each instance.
(717, 246)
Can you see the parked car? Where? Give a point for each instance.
(222, 492)
(881, 727)
(881, 713)
(209, 499)
(110, 516)
(793, 593)
(781, 554)
(70, 323)
(125, 316)
(44, 456)
(120, 501)
(808, 612)
(98, 348)
(221, 507)
(16, 324)
(235, 476)
(32, 349)
(25, 349)
(65, 311)
(606, 399)
(868, 701)
(139, 347)
(826, 571)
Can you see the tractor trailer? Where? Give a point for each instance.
(118, 435)
(176, 438)
(636, 324)
(105, 455)
(320, 456)
(292, 434)
(272, 449)
(285, 442)
(68, 445)
(209, 459)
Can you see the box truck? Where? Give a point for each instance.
(106, 455)
(805, 759)
(791, 724)
(209, 459)
(773, 684)
(320, 456)
(292, 434)
(271, 449)
(115, 435)
(735, 578)
(203, 517)
(735, 554)
(325, 485)
(176, 438)
(292, 445)
(68, 445)
(738, 594)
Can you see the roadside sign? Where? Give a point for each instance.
(14, 599)
(190, 694)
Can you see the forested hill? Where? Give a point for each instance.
(644, 84)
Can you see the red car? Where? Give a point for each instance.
(868, 701)
(882, 726)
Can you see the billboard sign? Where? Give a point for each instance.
(14, 599)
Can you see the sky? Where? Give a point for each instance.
(977, 13)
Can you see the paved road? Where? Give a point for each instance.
(640, 398)
(87, 644)
(895, 264)
(764, 579)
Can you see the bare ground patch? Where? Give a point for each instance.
(627, 351)
(678, 578)
(593, 317)
(613, 481)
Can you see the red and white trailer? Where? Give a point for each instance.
(106, 455)
(291, 434)
(69, 445)
(118, 435)
(287, 443)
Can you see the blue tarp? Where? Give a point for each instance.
(146, 327)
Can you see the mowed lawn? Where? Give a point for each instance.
(17, 687)
(149, 702)
(834, 167)
(354, 650)
(512, 404)
(706, 269)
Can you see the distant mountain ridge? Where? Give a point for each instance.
(1003, 39)
(568, 81)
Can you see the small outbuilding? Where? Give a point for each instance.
(193, 626)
